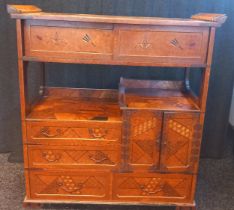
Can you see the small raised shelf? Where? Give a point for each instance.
(158, 95)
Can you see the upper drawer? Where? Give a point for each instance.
(168, 45)
(121, 44)
(68, 40)
(73, 133)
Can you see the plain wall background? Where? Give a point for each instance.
(231, 118)
(222, 76)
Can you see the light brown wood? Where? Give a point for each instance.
(102, 157)
(180, 142)
(72, 185)
(221, 18)
(136, 145)
(19, 9)
(124, 44)
(152, 187)
(158, 95)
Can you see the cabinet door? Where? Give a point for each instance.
(143, 139)
(180, 142)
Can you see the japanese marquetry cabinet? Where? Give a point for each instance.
(139, 144)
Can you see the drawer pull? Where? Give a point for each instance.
(176, 43)
(45, 131)
(144, 44)
(98, 133)
(51, 157)
(87, 39)
(56, 40)
(100, 157)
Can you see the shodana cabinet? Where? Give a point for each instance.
(139, 144)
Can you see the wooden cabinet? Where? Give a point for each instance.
(139, 144)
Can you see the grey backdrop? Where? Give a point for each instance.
(99, 76)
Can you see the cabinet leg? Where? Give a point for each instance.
(32, 205)
(186, 208)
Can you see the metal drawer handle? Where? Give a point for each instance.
(99, 157)
(98, 133)
(51, 157)
(45, 131)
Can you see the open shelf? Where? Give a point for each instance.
(70, 104)
(158, 95)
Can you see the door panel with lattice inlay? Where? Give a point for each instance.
(144, 139)
(180, 141)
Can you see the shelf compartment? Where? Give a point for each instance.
(71, 104)
(155, 95)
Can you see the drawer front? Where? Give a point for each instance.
(181, 142)
(68, 40)
(69, 132)
(143, 139)
(73, 156)
(163, 45)
(69, 185)
(153, 187)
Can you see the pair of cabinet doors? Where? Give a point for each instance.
(163, 141)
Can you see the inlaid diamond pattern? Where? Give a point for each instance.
(145, 126)
(180, 129)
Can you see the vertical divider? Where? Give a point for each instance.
(22, 73)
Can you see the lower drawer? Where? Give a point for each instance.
(153, 187)
(40, 156)
(104, 186)
(69, 185)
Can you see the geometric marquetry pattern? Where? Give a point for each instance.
(79, 156)
(180, 129)
(96, 156)
(145, 126)
(142, 152)
(57, 132)
(152, 186)
(69, 185)
(71, 132)
(173, 150)
(50, 156)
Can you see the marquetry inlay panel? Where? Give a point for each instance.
(179, 140)
(73, 157)
(138, 186)
(85, 185)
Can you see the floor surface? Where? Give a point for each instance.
(215, 187)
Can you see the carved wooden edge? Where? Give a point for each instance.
(219, 18)
(19, 9)
(202, 19)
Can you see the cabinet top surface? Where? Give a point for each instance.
(35, 13)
